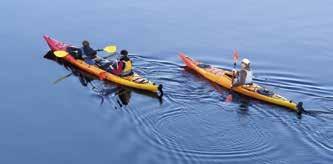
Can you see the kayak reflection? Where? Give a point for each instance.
(103, 89)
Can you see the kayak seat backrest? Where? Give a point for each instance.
(265, 92)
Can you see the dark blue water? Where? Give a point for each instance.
(288, 42)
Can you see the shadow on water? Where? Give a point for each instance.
(102, 89)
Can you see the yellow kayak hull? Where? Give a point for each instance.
(224, 79)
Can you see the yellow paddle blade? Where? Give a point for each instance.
(110, 49)
(60, 54)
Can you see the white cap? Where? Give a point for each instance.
(246, 61)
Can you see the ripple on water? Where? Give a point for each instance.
(193, 123)
(293, 82)
(189, 129)
(206, 133)
(316, 130)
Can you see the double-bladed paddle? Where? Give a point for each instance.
(61, 54)
(108, 49)
(235, 57)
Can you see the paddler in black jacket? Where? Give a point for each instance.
(85, 52)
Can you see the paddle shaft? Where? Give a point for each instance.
(62, 78)
(229, 97)
(236, 56)
(105, 57)
(233, 76)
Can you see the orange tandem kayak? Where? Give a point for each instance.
(133, 81)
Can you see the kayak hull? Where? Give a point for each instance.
(223, 78)
(133, 81)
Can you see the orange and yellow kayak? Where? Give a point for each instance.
(133, 81)
(224, 79)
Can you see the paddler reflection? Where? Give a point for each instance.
(124, 96)
(104, 89)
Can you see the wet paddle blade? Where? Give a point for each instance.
(236, 56)
(110, 49)
(60, 54)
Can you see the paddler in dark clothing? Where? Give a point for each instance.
(85, 52)
(120, 67)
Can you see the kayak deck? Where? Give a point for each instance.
(224, 78)
(134, 81)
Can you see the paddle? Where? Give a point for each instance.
(235, 57)
(61, 54)
(108, 49)
(62, 78)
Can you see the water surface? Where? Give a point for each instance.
(287, 42)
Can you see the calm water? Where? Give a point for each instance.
(288, 42)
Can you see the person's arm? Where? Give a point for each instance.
(239, 79)
(235, 78)
(242, 77)
(76, 52)
(91, 53)
(71, 49)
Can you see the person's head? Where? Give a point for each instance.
(85, 43)
(124, 53)
(245, 64)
